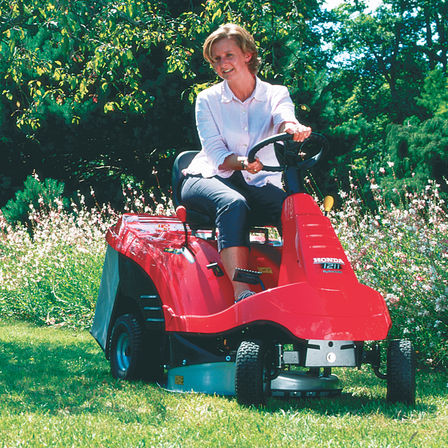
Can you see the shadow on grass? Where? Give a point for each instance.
(52, 377)
(350, 405)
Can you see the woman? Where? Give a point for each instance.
(231, 117)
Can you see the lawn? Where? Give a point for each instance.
(56, 391)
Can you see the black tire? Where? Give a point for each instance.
(126, 343)
(134, 354)
(401, 372)
(252, 373)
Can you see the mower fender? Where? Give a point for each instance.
(304, 311)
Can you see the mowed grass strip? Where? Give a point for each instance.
(56, 391)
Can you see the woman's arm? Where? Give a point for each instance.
(207, 119)
(284, 116)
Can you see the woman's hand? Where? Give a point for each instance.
(299, 131)
(234, 162)
(253, 167)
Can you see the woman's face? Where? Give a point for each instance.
(229, 61)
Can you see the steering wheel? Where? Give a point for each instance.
(291, 151)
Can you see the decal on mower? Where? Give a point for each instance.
(329, 265)
(172, 250)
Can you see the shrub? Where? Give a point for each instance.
(37, 195)
(53, 276)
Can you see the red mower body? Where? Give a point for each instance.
(311, 289)
(166, 312)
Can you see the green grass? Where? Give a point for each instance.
(56, 391)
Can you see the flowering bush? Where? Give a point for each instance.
(402, 251)
(50, 271)
(51, 275)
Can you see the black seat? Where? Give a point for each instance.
(182, 161)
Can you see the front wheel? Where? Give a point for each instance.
(252, 374)
(401, 372)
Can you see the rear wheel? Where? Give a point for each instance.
(126, 343)
(134, 354)
(252, 374)
(401, 372)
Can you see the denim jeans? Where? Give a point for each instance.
(233, 205)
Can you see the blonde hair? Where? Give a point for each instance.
(242, 38)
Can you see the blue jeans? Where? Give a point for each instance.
(233, 205)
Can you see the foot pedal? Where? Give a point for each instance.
(247, 276)
(216, 269)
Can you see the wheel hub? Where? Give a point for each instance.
(123, 351)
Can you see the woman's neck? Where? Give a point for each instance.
(243, 89)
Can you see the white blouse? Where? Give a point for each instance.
(228, 126)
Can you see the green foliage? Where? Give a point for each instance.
(389, 68)
(419, 151)
(36, 194)
(69, 56)
(435, 93)
(380, 44)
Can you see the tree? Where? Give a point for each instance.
(94, 92)
(419, 149)
(432, 16)
(434, 97)
(385, 57)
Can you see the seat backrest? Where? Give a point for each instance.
(182, 161)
